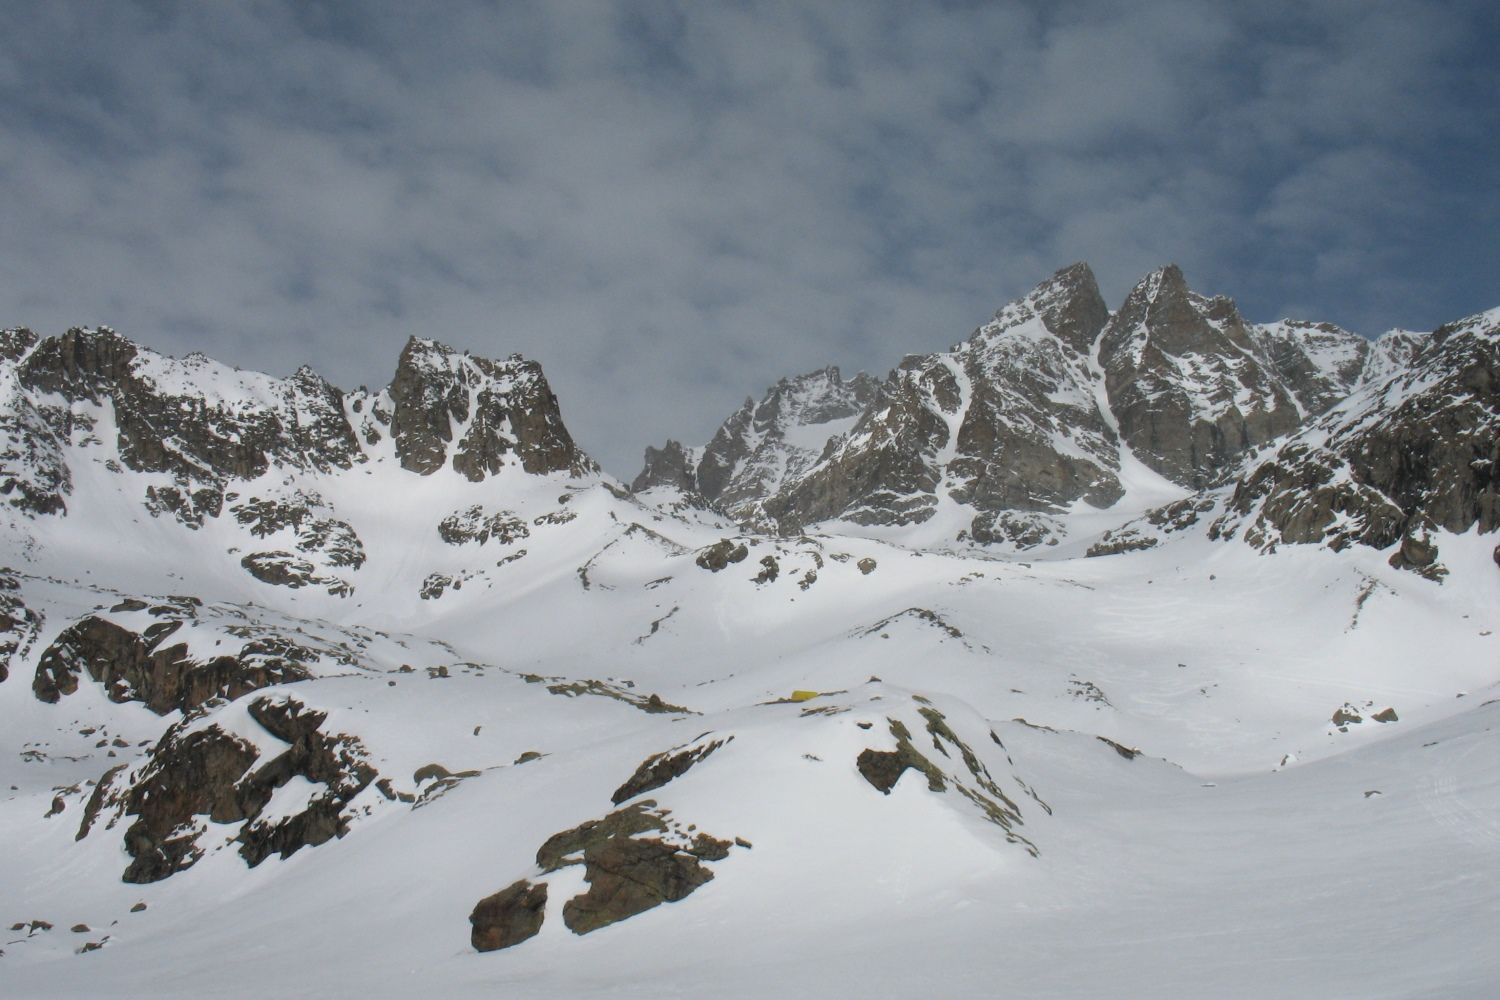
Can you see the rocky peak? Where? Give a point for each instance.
(1186, 383)
(498, 412)
(1068, 303)
(1391, 353)
(198, 420)
(762, 445)
(671, 466)
(1405, 454)
(15, 342)
(1005, 421)
(1319, 362)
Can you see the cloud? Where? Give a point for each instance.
(671, 205)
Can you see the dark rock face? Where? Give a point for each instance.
(1319, 362)
(1186, 382)
(196, 774)
(1005, 421)
(761, 445)
(659, 769)
(34, 475)
(670, 466)
(884, 768)
(206, 427)
(720, 554)
(505, 411)
(1416, 452)
(198, 438)
(318, 534)
(476, 524)
(144, 666)
(19, 624)
(627, 877)
(208, 773)
(282, 569)
(510, 916)
(628, 874)
(334, 760)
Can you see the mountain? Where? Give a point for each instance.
(395, 691)
(1054, 403)
(1406, 456)
(761, 445)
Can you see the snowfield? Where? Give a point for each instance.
(1252, 848)
(394, 693)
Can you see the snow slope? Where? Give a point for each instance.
(1035, 773)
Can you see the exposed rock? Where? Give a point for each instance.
(1348, 715)
(1004, 421)
(659, 769)
(509, 917)
(1187, 385)
(203, 438)
(335, 760)
(720, 554)
(502, 412)
(671, 467)
(476, 524)
(1419, 555)
(883, 769)
(1129, 753)
(1416, 451)
(1386, 715)
(627, 877)
(1319, 362)
(627, 873)
(19, 624)
(210, 772)
(282, 569)
(191, 774)
(770, 569)
(143, 666)
(866, 566)
(567, 847)
(318, 534)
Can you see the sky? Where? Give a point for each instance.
(672, 205)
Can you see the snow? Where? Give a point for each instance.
(1203, 867)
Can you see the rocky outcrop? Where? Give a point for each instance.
(204, 773)
(317, 533)
(191, 774)
(19, 624)
(475, 415)
(477, 524)
(192, 418)
(510, 916)
(633, 859)
(1400, 458)
(1319, 362)
(1007, 420)
(139, 661)
(720, 554)
(195, 429)
(761, 446)
(1186, 382)
(336, 761)
(662, 768)
(670, 467)
(973, 780)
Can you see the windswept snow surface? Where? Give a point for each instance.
(1128, 777)
(1252, 849)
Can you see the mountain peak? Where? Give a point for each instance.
(1068, 304)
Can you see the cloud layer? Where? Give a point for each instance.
(671, 205)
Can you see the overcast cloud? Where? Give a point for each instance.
(672, 205)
